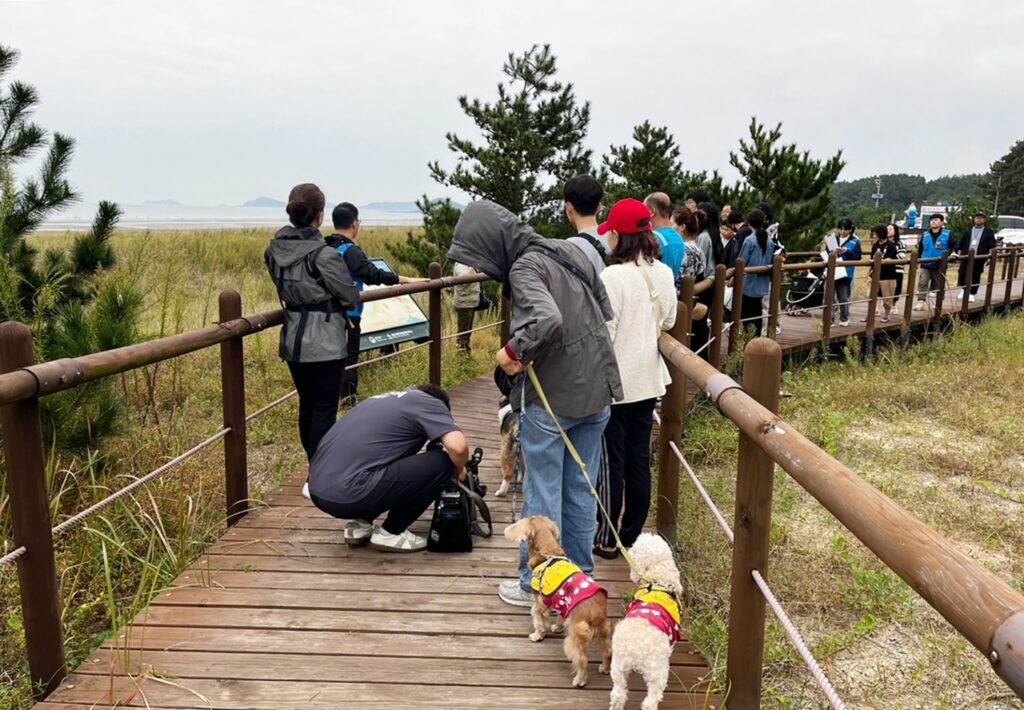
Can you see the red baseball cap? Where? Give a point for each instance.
(627, 216)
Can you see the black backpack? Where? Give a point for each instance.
(454, 522)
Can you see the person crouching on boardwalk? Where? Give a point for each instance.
(559, 310)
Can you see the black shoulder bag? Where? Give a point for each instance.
(454, 522)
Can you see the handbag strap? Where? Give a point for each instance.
(652, 293)
(481, 506)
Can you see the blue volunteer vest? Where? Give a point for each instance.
(934, 248)
(358, 310)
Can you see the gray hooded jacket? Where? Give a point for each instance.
(314, 316)
(558, 318)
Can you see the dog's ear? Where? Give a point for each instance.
(545, 534)
(520, 531)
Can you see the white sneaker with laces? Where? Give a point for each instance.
(511, 593)
(357, 532)
(305, 491)
(404, 541)
(970, 299)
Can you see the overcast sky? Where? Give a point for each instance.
(215, 102)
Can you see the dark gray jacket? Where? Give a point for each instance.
(314, 317)
(558, 318)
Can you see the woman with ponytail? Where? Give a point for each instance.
(756, 251)
(315, 289)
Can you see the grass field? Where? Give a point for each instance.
(110, 566)
(938, 428)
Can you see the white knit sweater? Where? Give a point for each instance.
(637, 324)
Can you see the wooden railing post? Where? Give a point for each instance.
(686, 292)
(874, 285)
(1008, 275)
(506, 318)
(434, 315)
(673, 407)
(910, 296)
(940, 293)
(774, 295)
(717, 316)
(965, 301)
(29, 502)
(762, 367)
(232, 381)
(990, 284)
(737, 305)
(830, 297)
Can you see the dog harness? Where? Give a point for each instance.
(659, 607)
(562, 585)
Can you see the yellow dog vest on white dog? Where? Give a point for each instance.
(659, 607)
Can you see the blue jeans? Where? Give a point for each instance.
(554, 485)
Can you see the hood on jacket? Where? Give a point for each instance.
(490, 238)
(292, 244)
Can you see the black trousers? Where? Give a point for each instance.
(626, 491)
(465, 322)
(961, 279)
(408, 487)
(350, 377)
(317, 384)
(699, 327)
(752, 308)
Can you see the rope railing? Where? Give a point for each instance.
(12, 555)
(485, 326)
(791, 631)
(139, 481)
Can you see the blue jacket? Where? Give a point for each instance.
(853, 253)
(930, 248)
(753, 255)
(672, 248)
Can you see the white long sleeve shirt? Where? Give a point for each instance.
(637, 325)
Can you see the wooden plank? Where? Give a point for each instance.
(505, 673)
(273, 695)
(346, 643)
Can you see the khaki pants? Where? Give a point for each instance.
(887, 290)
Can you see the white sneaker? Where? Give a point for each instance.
(404, 541)
(511, 593)
(919, 306)
(305, 491)
(970, 299)
(357, 532)
(960, 293)
(844, 323)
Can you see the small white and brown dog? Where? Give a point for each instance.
(560, 586)
(644, 639)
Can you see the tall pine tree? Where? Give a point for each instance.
(60, 294)
(1006, 177)
(651, 164)
(796, 186)
(533, 141)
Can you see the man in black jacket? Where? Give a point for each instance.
(346, 229)
(982, 240)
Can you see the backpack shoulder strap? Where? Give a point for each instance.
(313, 271)
(481, 506)
(590, 239)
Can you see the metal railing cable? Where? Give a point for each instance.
(78, 517)
(791, 631)
(12, 555)
(485, 326)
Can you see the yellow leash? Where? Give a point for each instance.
(583, 467)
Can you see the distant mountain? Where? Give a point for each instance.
(264, 202)
(397, 206)
(163, 203)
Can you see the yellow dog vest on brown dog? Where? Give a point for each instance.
(562, 584)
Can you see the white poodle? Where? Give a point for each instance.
(643, 641)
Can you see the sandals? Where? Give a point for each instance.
(606, 554)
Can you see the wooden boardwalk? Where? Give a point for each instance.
(280, 613)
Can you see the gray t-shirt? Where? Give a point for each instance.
(351, 458)
(589, 249)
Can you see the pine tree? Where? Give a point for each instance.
(651, 165)
(60, 294)
(432, 242)
(1006, 177)
(533, 141)
(796, 186)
